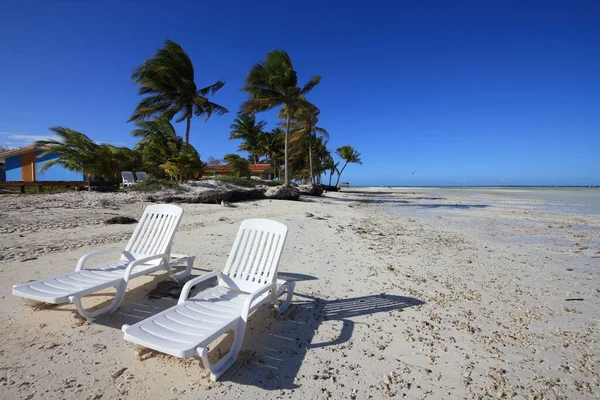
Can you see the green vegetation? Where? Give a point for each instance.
(153, 184)
(239, 167)
(236, 180)
(298, 145)
(168, 80)
(349, 155)
(329, 165)
(251, 132)
(77, 152)
(274, 83)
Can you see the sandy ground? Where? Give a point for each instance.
(396, 295)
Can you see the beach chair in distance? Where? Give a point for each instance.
(141, 176)
(128, 179)
(148, 251)
(248, 281)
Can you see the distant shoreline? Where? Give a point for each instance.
(477, 186)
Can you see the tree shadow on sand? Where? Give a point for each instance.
(276, 347)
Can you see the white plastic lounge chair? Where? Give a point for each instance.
(248, 281)
(148, 250)
(141, 176)
(128, 179)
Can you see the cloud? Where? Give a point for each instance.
(13, 139)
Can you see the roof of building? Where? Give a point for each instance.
(17, 151)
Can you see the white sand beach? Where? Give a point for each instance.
(404, 293)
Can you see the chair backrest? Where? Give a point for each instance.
(127, 177)
(141, 176)
(155, 231)
(254, 257)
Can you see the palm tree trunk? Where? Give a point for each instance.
(187, 129)
(310, 160)
(330, 176)
(340, 174)
(285, 156)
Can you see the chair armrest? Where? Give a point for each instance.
(143, 260)
(85, 257)
(253, 296)
(193, 282)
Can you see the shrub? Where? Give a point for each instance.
(153, 184)
(235, 180)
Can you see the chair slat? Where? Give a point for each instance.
(246, 253)
(260, 254)
(255, 255)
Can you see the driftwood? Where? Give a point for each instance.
(208, 197)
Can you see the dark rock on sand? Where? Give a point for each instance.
(329, 188)
(283, 193)
(311, 190)
(121, 220)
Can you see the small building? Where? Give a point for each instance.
(263, 171)
(25, 165)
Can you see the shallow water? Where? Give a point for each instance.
(560, 200)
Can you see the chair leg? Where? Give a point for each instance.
(218, 369)
(289, 290)
(188, 269)
(91, 315)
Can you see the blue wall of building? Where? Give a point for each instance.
(54, 173)
(13, 169)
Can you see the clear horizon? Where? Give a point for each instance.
(431, 93)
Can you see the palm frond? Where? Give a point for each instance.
(212, 89)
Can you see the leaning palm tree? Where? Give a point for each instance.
(306, 119)
(274, 83)
(246, 128)
(159, 142)
(272, 146)
(75, 152)
(168, 81)
(320, 153)
(330, 166)
(349, 155)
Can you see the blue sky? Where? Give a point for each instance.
(461, 92)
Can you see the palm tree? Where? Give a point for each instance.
(304, 126)
(165, 152)
(272, 145)
(75, 151)
(159, 143)
(320, 153)
(330, 166)
(238, 165)
(272, 84)
(350, 155)
(246, 128)
(168, 81)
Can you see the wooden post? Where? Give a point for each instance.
(23, 189)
